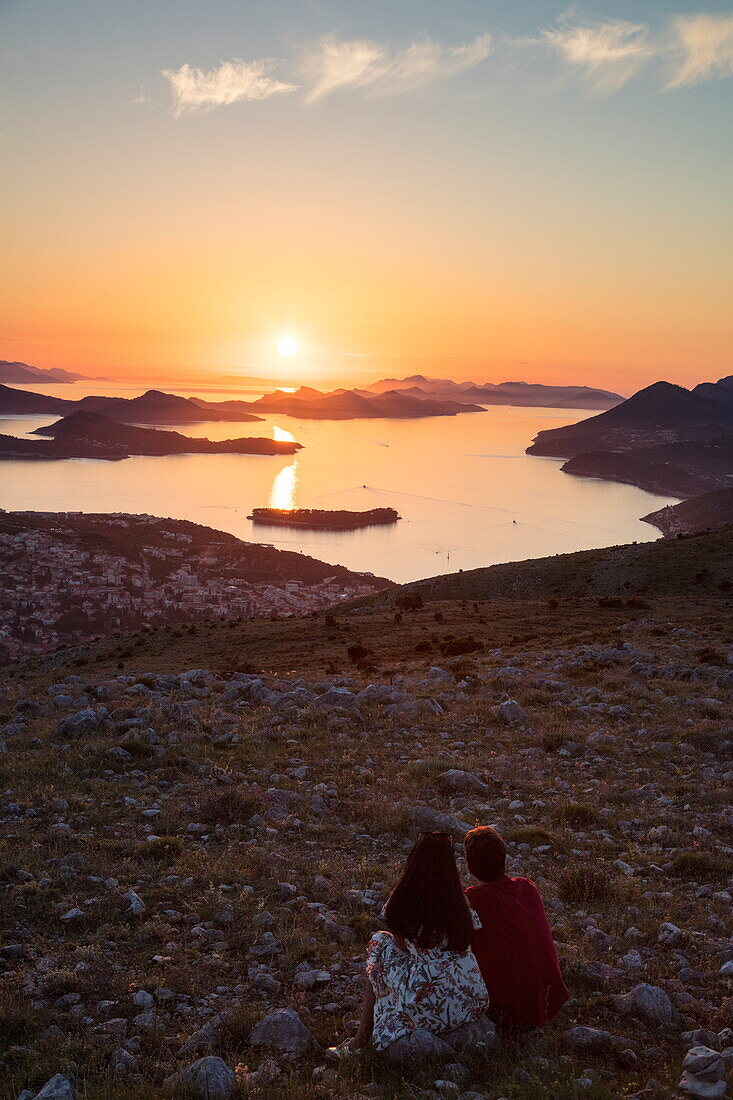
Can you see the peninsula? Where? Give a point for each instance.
(323, 520)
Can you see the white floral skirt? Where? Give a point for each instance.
(434, 990)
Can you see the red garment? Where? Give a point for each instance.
(516, 953)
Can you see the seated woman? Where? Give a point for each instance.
(424, 992)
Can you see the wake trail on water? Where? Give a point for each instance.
(572, 523)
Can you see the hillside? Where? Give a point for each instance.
(681, 469)
(68, 576)
(228, 807)
(661, 413)
(15, 402)
(702, 513)
(699, 564)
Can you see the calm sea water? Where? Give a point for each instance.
(468, 494)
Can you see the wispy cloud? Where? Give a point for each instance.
(704, 44)
(359, 63)
(606, 52)
(230, 82)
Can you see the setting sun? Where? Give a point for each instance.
(287, 346)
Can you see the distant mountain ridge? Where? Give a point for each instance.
(311, 404)
(531, 394)
(14, 372)
(151, 407)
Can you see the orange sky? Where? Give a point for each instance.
(503, 225)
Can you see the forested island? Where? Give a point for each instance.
(322, 519)
(91, 435)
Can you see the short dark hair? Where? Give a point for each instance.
(485, 853)
(428, 906)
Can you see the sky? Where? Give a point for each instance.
(486, 189)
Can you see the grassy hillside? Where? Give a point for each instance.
(261, 806)
(698, 564)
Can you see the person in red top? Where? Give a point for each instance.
(514, 946)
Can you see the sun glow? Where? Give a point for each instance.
(287, 346)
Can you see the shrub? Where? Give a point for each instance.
(161, 848)
(409, 601)
(458, 646)
(357, 652)
(637, 603)
(586, 884)
(553, 740)
(531, 834)
(697, 865)
(574, 813)
(232, 806)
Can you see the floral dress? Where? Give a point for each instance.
(434, 989)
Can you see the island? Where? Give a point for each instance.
(321, 519)
(91, 435)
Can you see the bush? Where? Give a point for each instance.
(698, 866)
(232, 806)
(531, 834)
(575, 813)
(553, 740)
(357, 653)
(162, 848)
(587, 884)
(456, 647)
(409, 601)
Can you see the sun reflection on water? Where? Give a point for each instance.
(282, 494)
(282, 435)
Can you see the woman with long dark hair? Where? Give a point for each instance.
(425, 992)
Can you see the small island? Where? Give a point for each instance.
(322, 519)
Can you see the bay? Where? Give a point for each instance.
(467, 493)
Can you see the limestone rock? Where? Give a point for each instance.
(430, 820)
(456, 780)
(650, 1002)
(703, 1074)
(58, 1088)
(206, 1079)
(588, 1040)
(512, 713)
(283, 1029)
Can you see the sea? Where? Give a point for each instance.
(467, 494)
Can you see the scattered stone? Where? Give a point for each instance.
(703, 1073)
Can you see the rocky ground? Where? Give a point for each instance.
(186, 853)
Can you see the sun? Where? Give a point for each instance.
(287, 346)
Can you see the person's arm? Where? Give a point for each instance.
(366, 1022)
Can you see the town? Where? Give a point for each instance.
(67, 577)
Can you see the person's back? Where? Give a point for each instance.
(514, 946)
